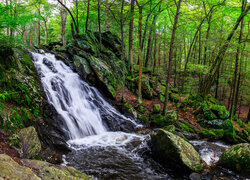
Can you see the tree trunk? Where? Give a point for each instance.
(131, 27)
(99, 26)
(148, 56)
(39, 29)
(107, 13)
(140, 54)
(63, 26)
(87, 18)
(171, 52)
(122, 57)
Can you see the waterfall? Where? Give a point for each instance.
(75, 100)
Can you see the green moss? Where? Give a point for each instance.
(173, 97)
(156, 108)
(186, 127)
(213, 133)
(170, 128)
(237, 158)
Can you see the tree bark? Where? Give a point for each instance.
(99, 25)
(131, 28)
(87, 18)
(171, 52)
(122, 57)
(107, 13)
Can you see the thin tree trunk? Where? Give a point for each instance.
(131, 27)
(87, 18)
(154, 59)
(99, 26)
(122, 57)
(171, 52)
(140, 49)
(39, 29)
(107, 13)
(63, 25)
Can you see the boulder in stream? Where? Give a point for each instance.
(172, 150)
(237, 158)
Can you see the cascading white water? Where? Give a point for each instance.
(73, 98)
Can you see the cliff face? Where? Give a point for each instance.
(101, 68)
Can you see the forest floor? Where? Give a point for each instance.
(186, 115)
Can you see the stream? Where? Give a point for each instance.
(102, 140)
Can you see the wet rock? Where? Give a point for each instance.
(9, 169)
(49, 171)
(194, 176)
(170, 148)
(237, 158)
(31, 145)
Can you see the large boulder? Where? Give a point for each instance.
(31, 145)
(36, 170)
(9, 169)
(172, 149)
(49, 171)
(237, 158)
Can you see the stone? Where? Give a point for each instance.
(156, 108)
(170, 148)
(161, 121)
(237, 158)
(9, 169)
(31, 145)
(49, 171)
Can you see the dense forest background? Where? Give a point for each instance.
(194, 46)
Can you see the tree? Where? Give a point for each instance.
(140, 47)
(171, 53)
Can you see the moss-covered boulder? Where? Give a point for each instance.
(49, 171)
(156, 108)
(31, 145)
(237, 158)
(146, 89)
(131, 109)
(9, 169)
(174, 150)
(168, 119)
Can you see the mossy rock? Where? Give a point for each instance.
(237, 158)
(49, 171)
(170, 128)
(147, 92)
(141, 108)
(156, 108)
(144, 69)
(186, 127)
(221, 111)
(174, 97)
(161, 121)
(211, 134)
(216, 123)
(9, 169)
(31, 145)
(209, 115)
(162, 98)
(173, 149)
